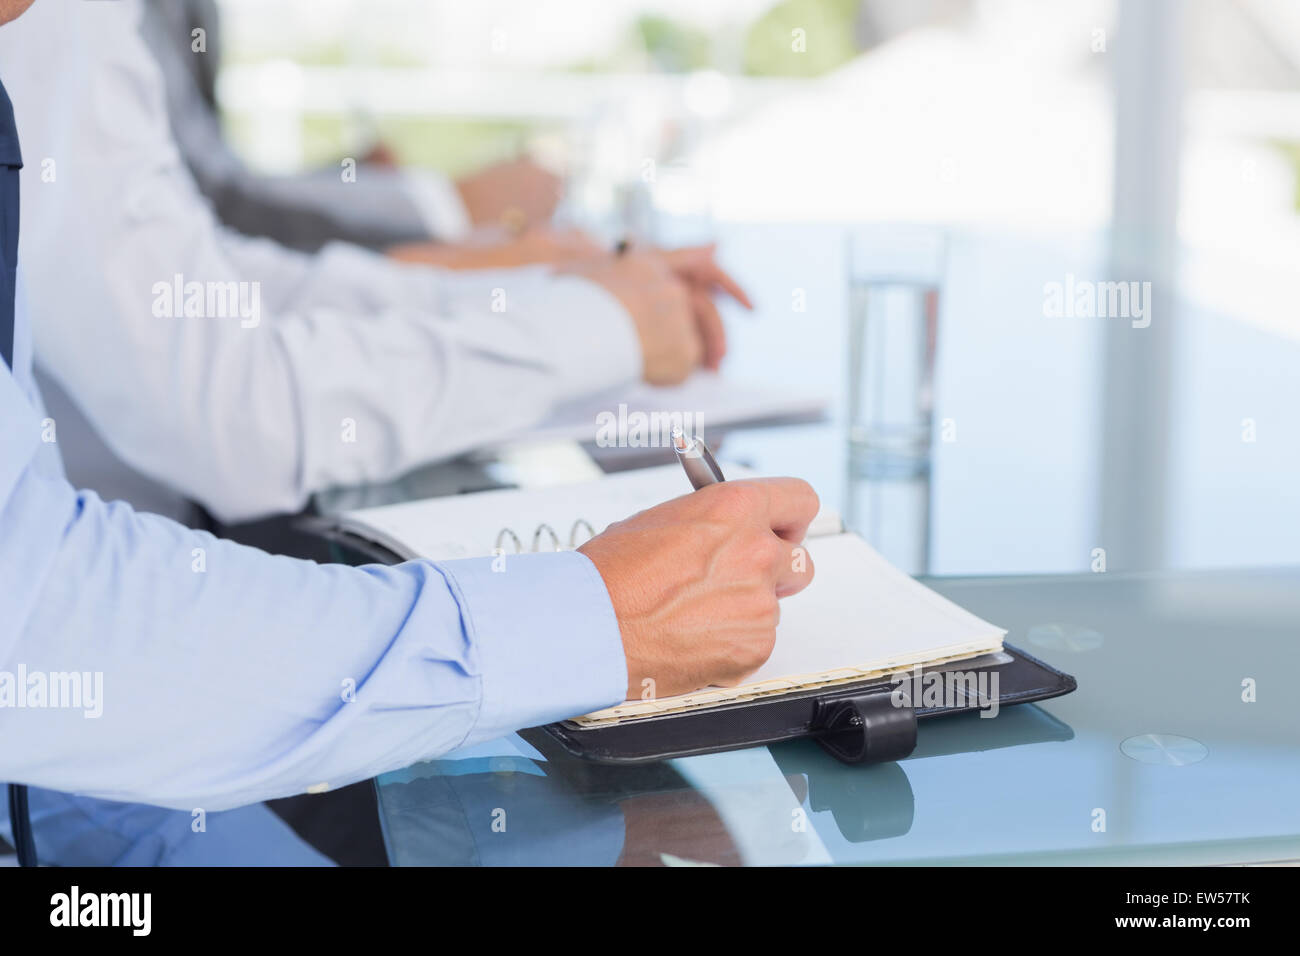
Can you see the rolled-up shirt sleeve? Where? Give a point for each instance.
(213, 675)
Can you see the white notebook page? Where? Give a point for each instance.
(859, 618)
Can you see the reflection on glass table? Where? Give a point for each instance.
(1103, 775)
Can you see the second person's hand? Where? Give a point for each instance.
(699, 269)
(661, 307)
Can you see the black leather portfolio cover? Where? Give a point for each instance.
(866, 722)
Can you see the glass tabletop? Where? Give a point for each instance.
(1181, 745)
(1098, 473)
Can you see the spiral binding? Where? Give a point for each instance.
(544, 530)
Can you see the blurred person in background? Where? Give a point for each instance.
(382, 207)
(287, 372)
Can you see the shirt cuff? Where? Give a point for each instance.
(438, 203)
(593, 341)
(545, 637)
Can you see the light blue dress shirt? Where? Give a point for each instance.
(230, 676)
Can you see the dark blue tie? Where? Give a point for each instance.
(10, 162)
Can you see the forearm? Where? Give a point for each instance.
(251, 414)
(416, 389)
(227, 676)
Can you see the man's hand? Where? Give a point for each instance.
(695, 581)
(672, 344)
(696, 266)
(515, 194)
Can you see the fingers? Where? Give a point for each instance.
(785, 506)
(713, 274)
(712, 331)
(791, 506)
(795, 569)
(782, 508)
(697, 264)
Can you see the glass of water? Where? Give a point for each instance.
(895, 276)
(895, 284)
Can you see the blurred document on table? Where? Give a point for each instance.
(707, 401)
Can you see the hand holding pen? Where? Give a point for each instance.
(695, 582)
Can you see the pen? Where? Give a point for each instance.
(696, 459)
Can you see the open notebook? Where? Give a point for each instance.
(860, 618)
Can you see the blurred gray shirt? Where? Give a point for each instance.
(381, 207)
